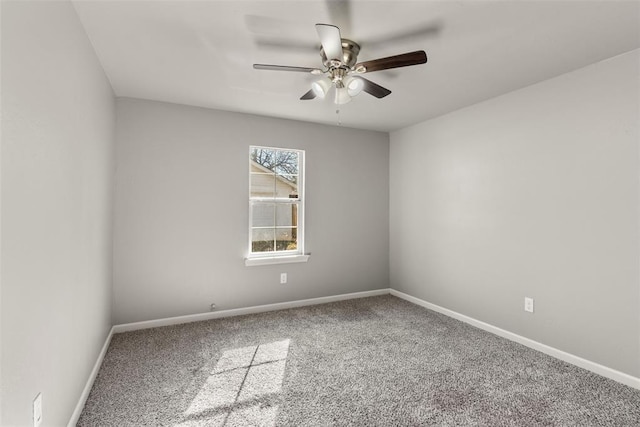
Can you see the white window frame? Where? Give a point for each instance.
(279, 257)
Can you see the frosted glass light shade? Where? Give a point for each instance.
(354, 86)
(342, 96)
(320, 88)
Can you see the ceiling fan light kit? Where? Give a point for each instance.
(341, 70)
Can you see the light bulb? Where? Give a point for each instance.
(320, 88)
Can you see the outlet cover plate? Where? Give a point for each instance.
(528, 304)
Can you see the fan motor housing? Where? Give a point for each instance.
(350, 51)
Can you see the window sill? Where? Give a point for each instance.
(251, 262)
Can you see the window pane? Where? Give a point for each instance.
(263, 184)
(286, 162)
(285, 189)
(286, 239)
(262, 240)
(287, 186)
(263, 215)
(286, 214)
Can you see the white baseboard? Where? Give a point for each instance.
(92, 377)
(242, 311)
(618, 376)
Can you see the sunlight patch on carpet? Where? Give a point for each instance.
(237, 391)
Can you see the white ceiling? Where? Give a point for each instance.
(201, 52)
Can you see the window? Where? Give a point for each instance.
(276, 205)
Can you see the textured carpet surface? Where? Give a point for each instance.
(377, 361)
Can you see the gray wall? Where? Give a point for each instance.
(58, 119)
(181, 218)
(536, 194)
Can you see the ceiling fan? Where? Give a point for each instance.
(341, 70)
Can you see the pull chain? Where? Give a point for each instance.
(339, 123)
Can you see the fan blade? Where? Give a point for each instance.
(374, 89)
(330, 40)
(309, 95)
(286, 68)
(403, 60)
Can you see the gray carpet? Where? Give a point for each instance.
(377, 361)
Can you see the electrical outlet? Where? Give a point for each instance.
(37, 410)
(528, 304)
(283, 278)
